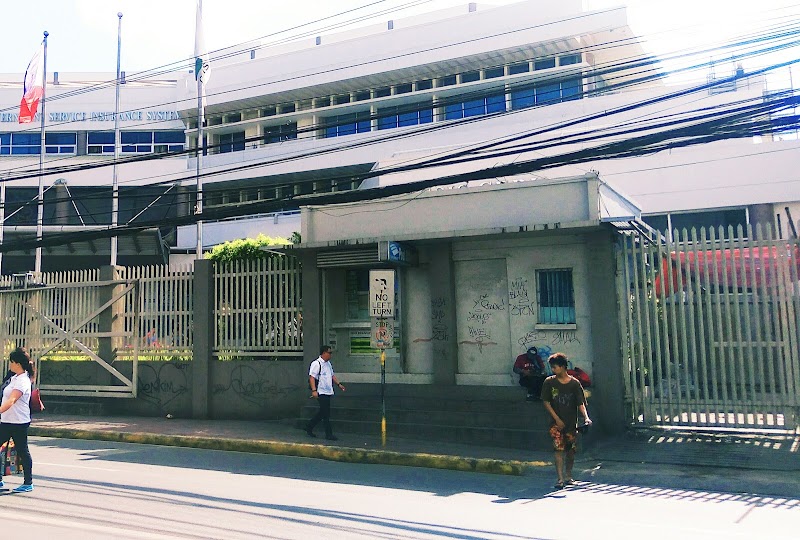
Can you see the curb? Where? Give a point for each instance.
(330, 453)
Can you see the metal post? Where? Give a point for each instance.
(40, 199)
(115, 181)
(383, 397)
(199, 163)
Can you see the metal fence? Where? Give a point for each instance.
(258, 309)
(710, 329)
(166, 310)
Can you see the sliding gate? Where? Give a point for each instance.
(67, 318)
(710, 323)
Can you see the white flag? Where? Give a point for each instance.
(202, 68)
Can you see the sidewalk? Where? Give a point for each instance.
(764, 453)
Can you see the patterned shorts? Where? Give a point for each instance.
(563, 440)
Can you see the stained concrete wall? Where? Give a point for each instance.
(257, 389)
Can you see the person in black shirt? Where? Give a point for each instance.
(563, 399)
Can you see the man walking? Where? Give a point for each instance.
(563, 398)
(321, 379)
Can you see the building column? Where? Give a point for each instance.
(608, 390)
(203, 346)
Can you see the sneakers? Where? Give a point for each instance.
(22, 488)
(332, 438)
(531, 397)
(310, 433)
(2, 485)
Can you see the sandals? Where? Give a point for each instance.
(559, 485)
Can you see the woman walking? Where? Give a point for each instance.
(15, 413)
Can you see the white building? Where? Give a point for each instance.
(315, 116)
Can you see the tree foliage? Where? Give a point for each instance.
(245, 249)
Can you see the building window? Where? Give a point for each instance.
(30, 143)
(347, 124)
(135, 142)
(547, 94)
(395, 117)
(555, 296)
(383, 92)
(544, 63)
(521, 67)
(470, 76)
(450, 80)
(476, 107)
(362, 96)
(569, 59)
(425, 84)
(493, 73)
(274, 134)
(231, 142)
(403, 88)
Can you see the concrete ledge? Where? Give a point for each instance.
(331, 453)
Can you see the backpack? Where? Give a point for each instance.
(315, 378)
(35, 402)
(581, 375)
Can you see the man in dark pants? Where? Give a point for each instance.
(321, 379)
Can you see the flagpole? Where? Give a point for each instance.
(200, 122)
(40, 198)
(115, 181)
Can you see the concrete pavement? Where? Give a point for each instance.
(678, 450)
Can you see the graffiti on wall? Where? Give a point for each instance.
(161, 384)
(253, 387)
(439, 328)
(479, 320)
(554, 338)
(520, 304)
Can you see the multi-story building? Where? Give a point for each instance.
(322, 115)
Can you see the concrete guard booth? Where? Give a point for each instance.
(482, 274)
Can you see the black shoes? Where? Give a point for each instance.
(310, 433)
(332, 437)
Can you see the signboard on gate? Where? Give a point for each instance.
(381, 293)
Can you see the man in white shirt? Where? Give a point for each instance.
(321, 379)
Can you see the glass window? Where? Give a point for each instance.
(392, 118)
(475, 107)
(362, 96)
(571, 89)
(285, 132)
(169, 137)
(545, 63)
(347, 124)
(555, 296)
(496, 103)
(493, 73)
(100, 137)
(521, 67)
(548, 94)
(470, 76)
(231, 142)
(403, 88)
(450, 80)
(425, 84)
(569, 59)
(522, 98)
(383, 92)
(136, 137)
(454, 111)
(30, 143)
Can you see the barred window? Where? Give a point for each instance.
(556, 296)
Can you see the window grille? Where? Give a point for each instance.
(556, 296)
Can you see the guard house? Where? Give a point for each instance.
(481, 274)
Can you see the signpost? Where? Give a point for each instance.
(381, 310)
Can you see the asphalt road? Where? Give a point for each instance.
(89, 489)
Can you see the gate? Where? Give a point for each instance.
(709, 324)
(66, 316)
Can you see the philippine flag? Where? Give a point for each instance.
(33, 88)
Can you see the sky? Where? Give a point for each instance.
(83, 33)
